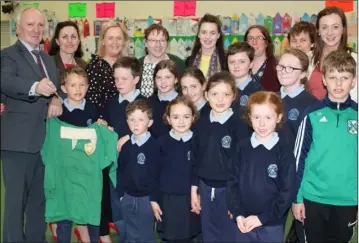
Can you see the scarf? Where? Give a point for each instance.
(214, 63)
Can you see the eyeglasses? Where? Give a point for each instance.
(288, 69)
(154, 42)
(258, 38)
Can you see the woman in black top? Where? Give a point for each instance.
(112, 44)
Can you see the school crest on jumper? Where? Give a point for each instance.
(272, 170)
(293, 114)
(353, 126)
(141, 158)
(226, 141)
(243, 100)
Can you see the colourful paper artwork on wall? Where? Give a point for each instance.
(286, 23)
(105, 10)
(346, 6)
(77, 10)
(30, 5)
(184, 8)
(277, 24)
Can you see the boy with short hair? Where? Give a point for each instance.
(302, 36)
(327, 157)
(139, 164)
(74, 151)
(127, 71)
(240, 57)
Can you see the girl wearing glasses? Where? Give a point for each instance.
(208, 49)
(156, 43)
(292, 75)
(332, 32)
(263, 70)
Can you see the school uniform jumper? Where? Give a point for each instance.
(245, 90)
(262, 184)
(295, 105)
(138, 171)
(213, 145)
(326, 153)
(203, 108)
(174, 189)
(159, 104)
(115, 115)
(74, 156)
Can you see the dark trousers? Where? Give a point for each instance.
(216, 224)
(117, 214)
(64, 229)
(299, 229)
(329, 223)
(23, 175)
(138, 219)
(106, 213)
(263, 234)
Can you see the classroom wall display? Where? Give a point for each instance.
(183, 30)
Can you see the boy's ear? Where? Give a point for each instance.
(150, 123)
(354, 82)
(176, 80)
(63, 88)
(136, 79)
(323, 79)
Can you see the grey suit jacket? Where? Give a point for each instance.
(23, 123)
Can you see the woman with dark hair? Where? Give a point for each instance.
(208, 49)
(332, 32)
(66, 47)
(264, 62)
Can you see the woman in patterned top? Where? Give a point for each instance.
(263, 70)
(112, 44)
(208, 49)
(156, 43)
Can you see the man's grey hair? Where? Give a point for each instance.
(19, 16)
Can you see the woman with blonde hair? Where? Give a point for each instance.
(112, 44)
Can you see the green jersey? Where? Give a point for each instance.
(74, 158)
(327, 154)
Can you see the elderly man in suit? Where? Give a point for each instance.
(29, 80)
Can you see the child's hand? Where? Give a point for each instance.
(240, 224)
(195, 200)
(2, 108)
(102, 121)
(156, 211)
(251, 222)
(121, 142)
(298, 211)
(230, 215)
